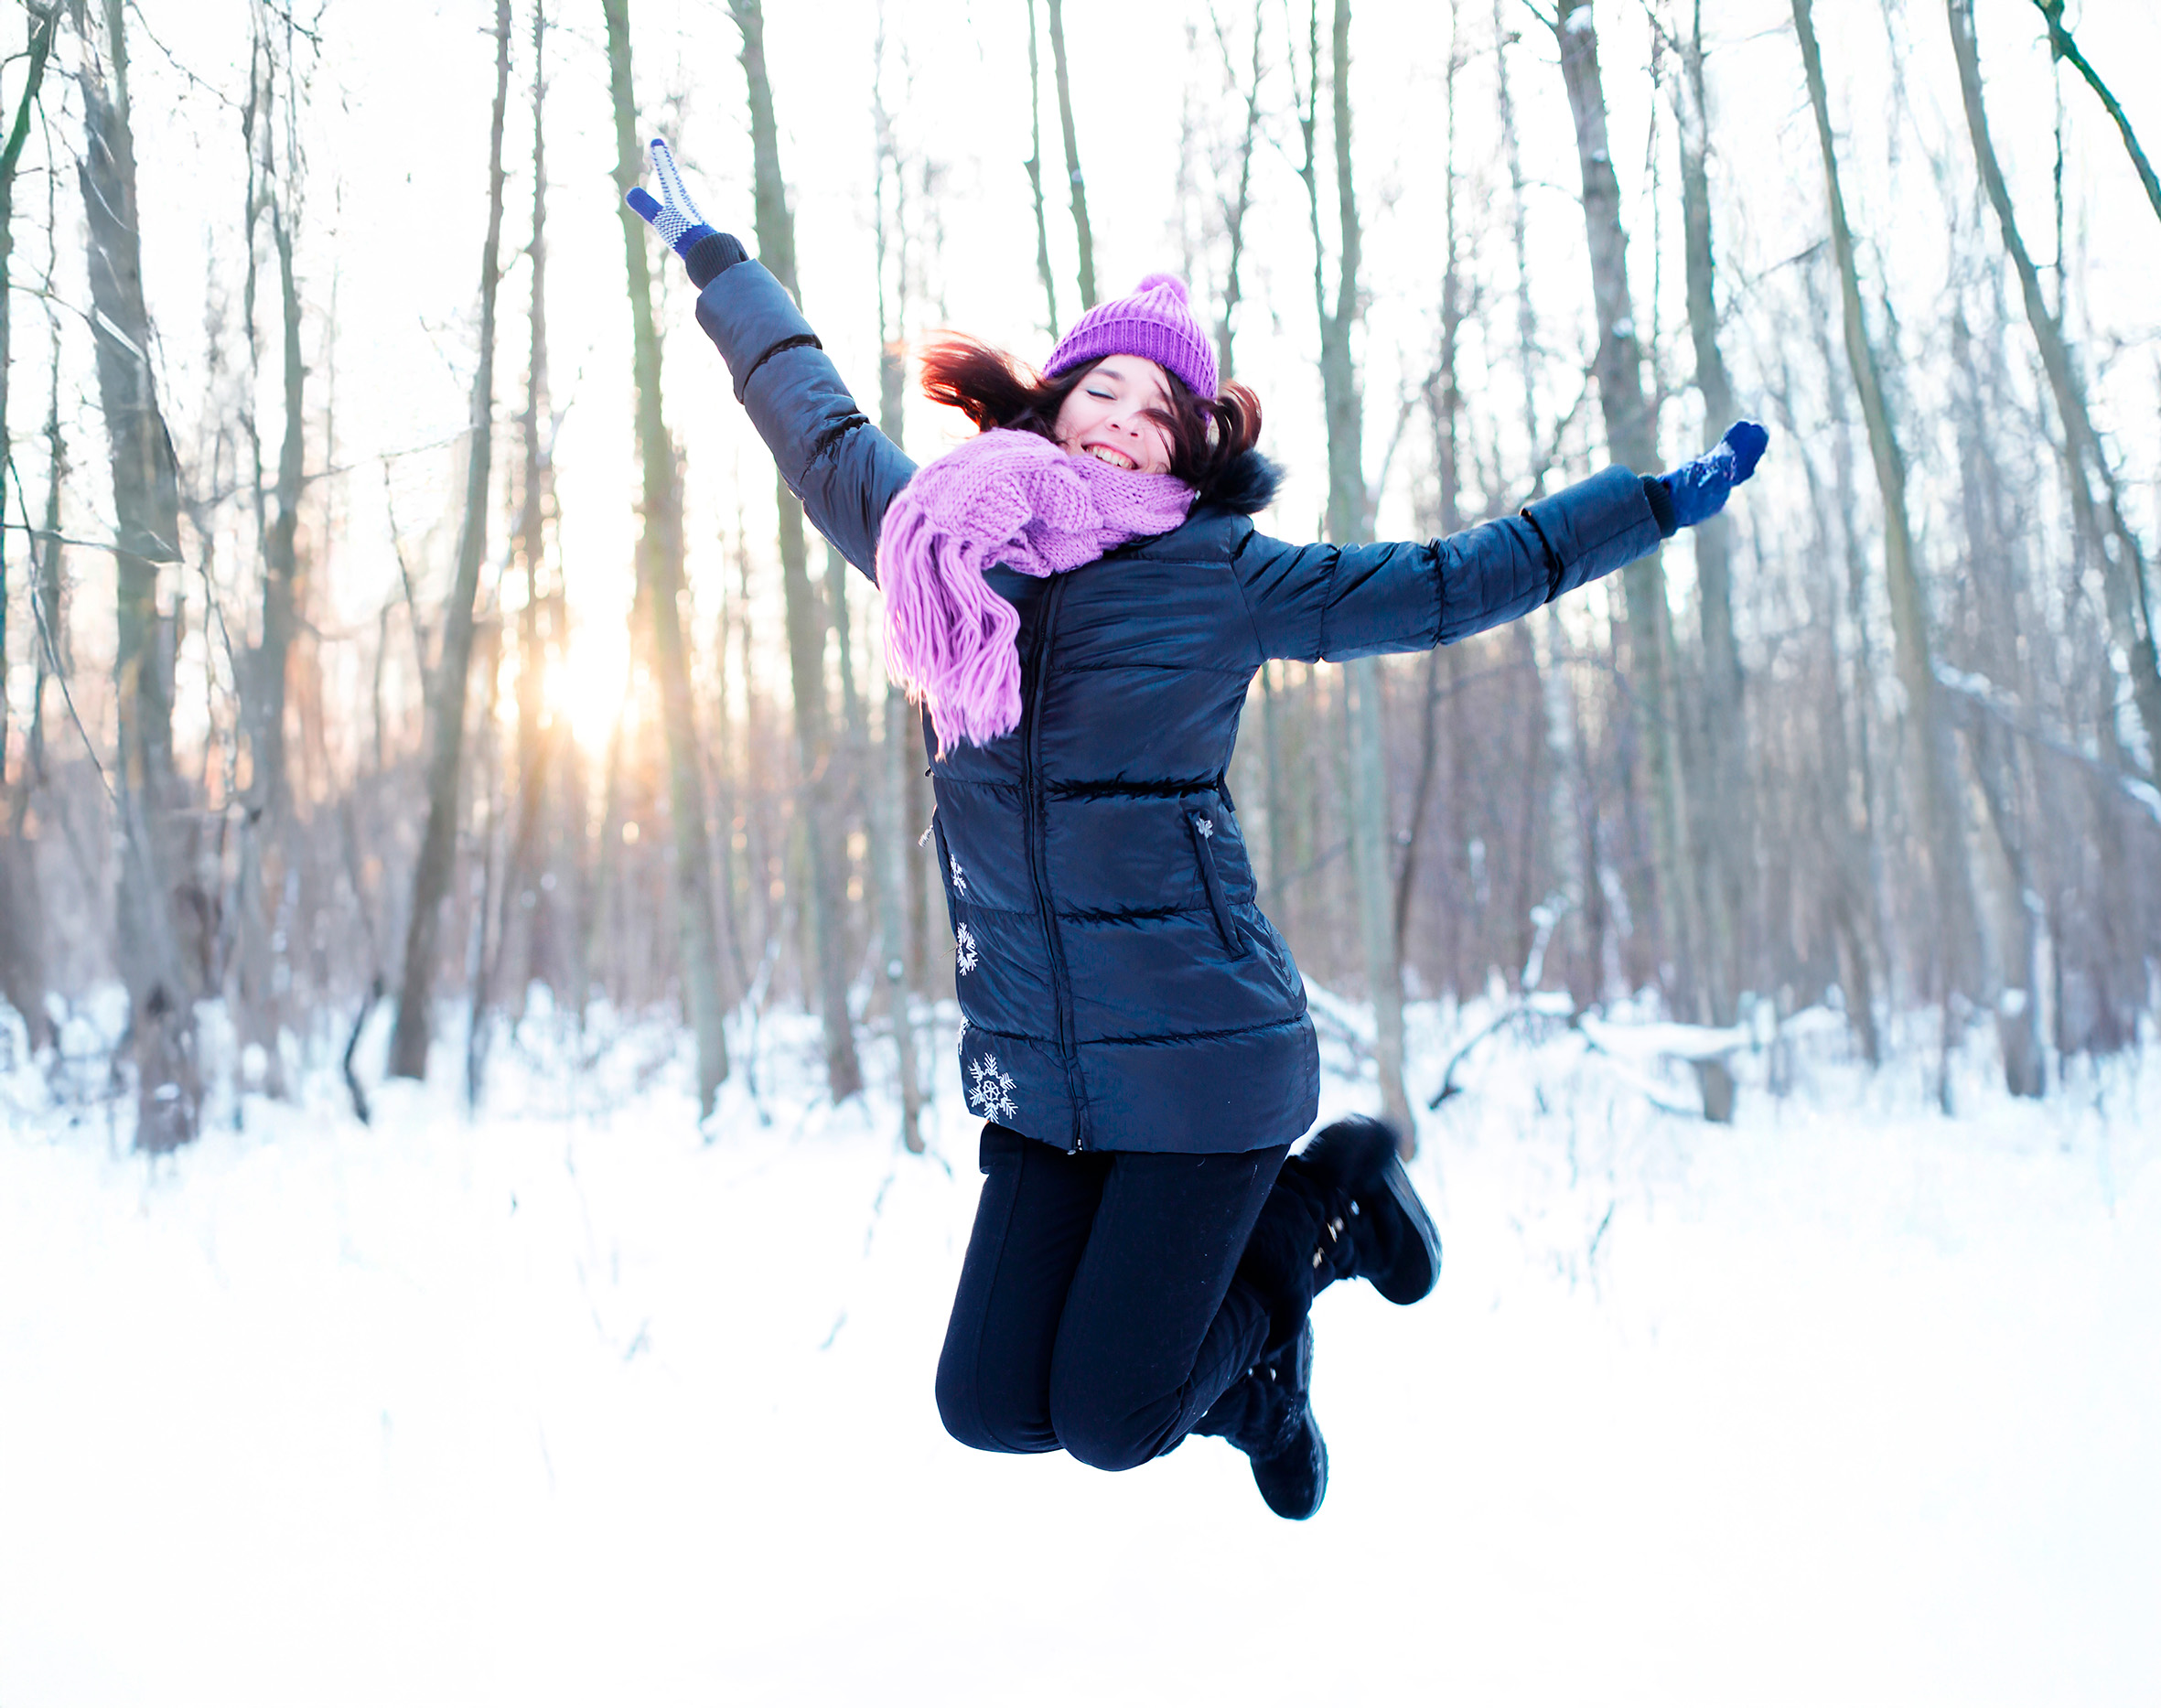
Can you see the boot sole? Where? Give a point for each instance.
(1413, 1275)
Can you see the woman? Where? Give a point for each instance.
(1080, 599)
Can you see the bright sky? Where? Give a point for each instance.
(396, 203)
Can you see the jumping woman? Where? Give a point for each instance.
(1079, 598)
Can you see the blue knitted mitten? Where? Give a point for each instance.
(1699, 488)
(676, 218)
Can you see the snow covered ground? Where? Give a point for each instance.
(1849, 1403)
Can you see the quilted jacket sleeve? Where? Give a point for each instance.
(1322, 601)
(844, 469)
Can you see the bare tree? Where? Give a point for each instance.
(2099, 517)
(659, 573)
(163, 976)
(274, 182)
(1950, 881)
(541, 618)
(806, 623)
(1237, 202)
(22, 976)
(2062, 45)
(1034, 171)
(1083, 234)
(886, 794)
(1720, 800)
(1349, 522)
(1631, 437)
(447, 691)
(1444, 405)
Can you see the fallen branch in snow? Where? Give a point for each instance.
(352, 1042)
(1538, 1005)
(1626, 1046)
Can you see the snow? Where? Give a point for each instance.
(1850, 1401)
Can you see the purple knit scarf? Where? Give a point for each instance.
(1006, 498)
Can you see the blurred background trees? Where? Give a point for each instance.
(316, 711)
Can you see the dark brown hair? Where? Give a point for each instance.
(1207, 436)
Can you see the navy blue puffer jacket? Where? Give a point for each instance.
(1119, 987)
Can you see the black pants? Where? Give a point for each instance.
(1100, 1309)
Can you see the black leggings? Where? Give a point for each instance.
(1099, 1307)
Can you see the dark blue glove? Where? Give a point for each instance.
(1696, 491)
(676, 218)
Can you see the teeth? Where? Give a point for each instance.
(1117, 459)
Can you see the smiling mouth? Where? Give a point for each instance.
(1105, 454)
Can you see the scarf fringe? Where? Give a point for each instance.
(1006, 498)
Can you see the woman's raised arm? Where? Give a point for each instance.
(1324, 601)
(844, 469)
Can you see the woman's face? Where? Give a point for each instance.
(1103, 416)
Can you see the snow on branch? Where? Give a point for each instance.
(2003, 706)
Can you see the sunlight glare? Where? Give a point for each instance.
(588, 685)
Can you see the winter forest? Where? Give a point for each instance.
(440, 765)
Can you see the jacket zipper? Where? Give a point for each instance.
(1037, 837)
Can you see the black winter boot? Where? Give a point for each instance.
(1267, 1414)
(1374, 1224)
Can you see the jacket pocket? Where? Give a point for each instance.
(1203, 828)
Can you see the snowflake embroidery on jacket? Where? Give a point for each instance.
(959, 877)
(1207, 827)
(992, 1093)
(965, 954)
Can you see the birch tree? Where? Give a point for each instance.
(22, 978)
(156, 962)
(447, 690)
(2097, 504)
(1350, 523)
(775, 226)
(1034, 171)
(1720, 816)
(659, 581)
(885, 793)
(1631, 438)
(1949, 879)
(1083, 234)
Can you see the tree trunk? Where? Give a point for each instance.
(1990, 590)
(886, 792)
(2063, 47)
(1348, 523)
(1034, 171)
(272, 189)
(539, 620)
(1631, 438)
(1950, 881)
(446, 707)
(2113, 543)
(1241, 201)
(162, 976)
(22, 972)
(1720, 799)
(42, 25)
(1083, 235)
(1578, 955)
(1443, 404)
(660, 580)
(775, 227)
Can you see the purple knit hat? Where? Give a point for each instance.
(1153, 322)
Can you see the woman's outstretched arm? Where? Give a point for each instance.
(1323, 601)
(844, 469)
